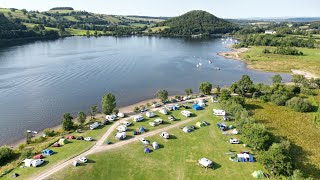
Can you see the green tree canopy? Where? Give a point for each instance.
(162, 95)
(205, 88)
(276, 79)
(67, 123)
(244, 85)
(108, 103)
(81, 117)
(188, 91)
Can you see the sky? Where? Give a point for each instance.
(220, 8)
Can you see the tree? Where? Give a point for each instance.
(81, 117)
(115, 111)
(256, 135)
(162, 95)
(6, 154)
(277, 160)
(218, 88)
(67, 123)
(276, 79)
(88, 33)
(205, 88)
(188, 91)
(93, 110)
(244, 85)
(298, 79)
(299, 104)
(279, 99)
(108, 103)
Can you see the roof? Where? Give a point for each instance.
(205, 162)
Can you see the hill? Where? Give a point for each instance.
(5, 24)
(197, 22)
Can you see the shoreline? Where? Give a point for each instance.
(234, 54)
(124, 109)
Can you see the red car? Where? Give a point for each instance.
(39, 156)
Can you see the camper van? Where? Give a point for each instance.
(94, 125)
(137, 118)
(186, 113)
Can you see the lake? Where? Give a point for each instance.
(42, 80)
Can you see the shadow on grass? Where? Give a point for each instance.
(253, 107)
(173, 137)
(90, 161)
(161, 146)
(216, 165)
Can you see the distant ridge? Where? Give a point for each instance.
(62, 8)
(197, 22)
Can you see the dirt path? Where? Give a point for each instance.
(100, 146)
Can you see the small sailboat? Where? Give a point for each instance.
(197, 65)
(210, 62)
(200, 64)
(217, 68)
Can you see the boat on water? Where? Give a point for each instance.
(28, 131)
(34, 132)
(210, 62)
(217, 68)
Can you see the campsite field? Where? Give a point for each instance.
(61, 153)
(256, 59)
(176, 158)
(298, 128)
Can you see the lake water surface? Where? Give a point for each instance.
(42, 80)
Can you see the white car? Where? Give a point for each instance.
(88, 139)
(165, 135)
(158, 121)
(120, 115)
(111, 117)
(37, 162)
(83, 159)
(122, 128)
(126, 123)
(171, 118)
(145, 142)
(163, 111)
(155, 145)
(153, 124)
(234, 141)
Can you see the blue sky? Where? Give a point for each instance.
(220, 8)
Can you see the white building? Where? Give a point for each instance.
(270, 32)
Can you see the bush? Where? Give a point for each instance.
(6, 154)
(278, 99)
(26, 154)
(49, 132)
(307, 91)
(299, 104)
(265, 98)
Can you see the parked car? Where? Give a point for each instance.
(165, 135)
(171, 118)
(37, 162)
(80, 138)
(155, 145)
(153, 124)
(83, 159)
(158, 121)
(234, 141)
(145, 142)
(88, 139)
(127, 123)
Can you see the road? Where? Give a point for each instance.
(100, 146)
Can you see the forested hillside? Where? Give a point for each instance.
(197, 22)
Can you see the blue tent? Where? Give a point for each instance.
(141, 129)
(146, 150)
(196, 107)
(47, 152)
(175, 108)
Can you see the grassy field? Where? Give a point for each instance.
(256, 59)
(297, 127)
(62, 153)
(156, 29)
(176, 158)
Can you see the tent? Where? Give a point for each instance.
(135, 132)
(62, 141)
(196, 107)
(199, 124)
(56, 144)
(245, 157)
(142, 130)
(146, 150)
(47, 152)
(71, 137)
(258, 174)
(39, 156)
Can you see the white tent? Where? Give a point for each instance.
(150, 114)
(205, 162)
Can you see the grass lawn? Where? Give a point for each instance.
(176, 158)
(62, 153)
(309, 62)
(156, 29)
(297, 127)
